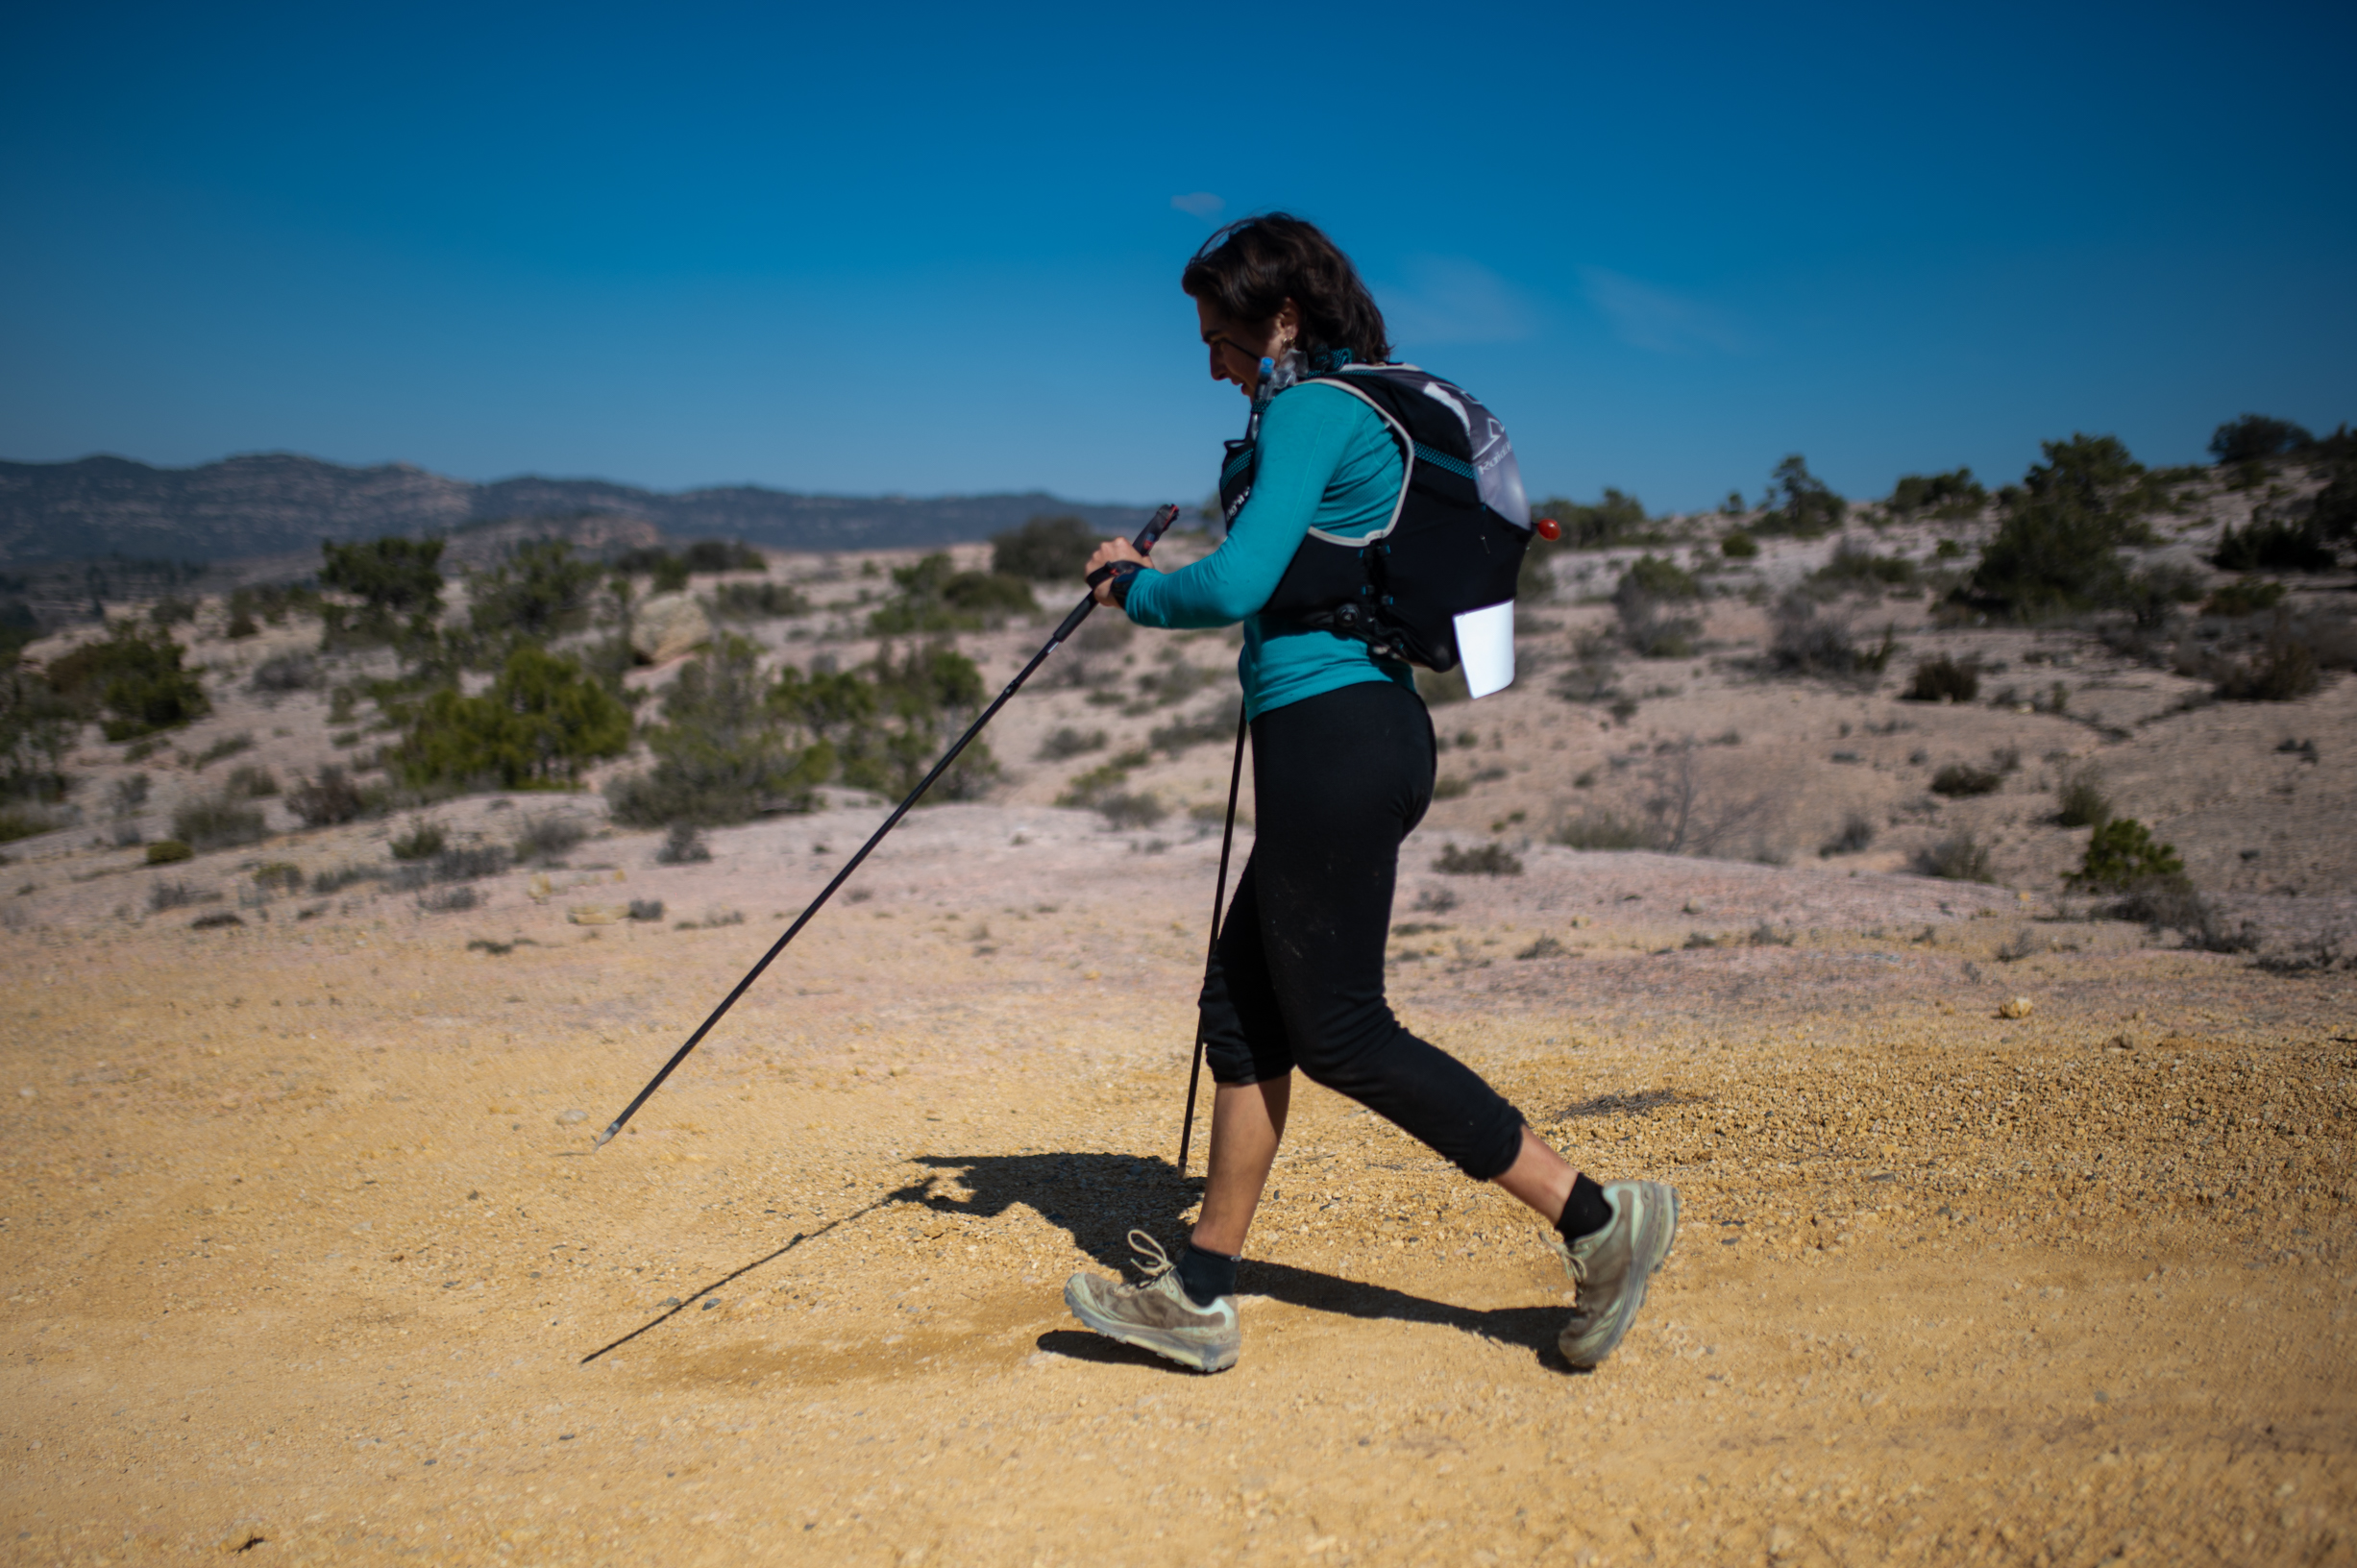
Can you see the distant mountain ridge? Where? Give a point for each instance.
(272, 503)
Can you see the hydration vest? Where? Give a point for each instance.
(1456, 537)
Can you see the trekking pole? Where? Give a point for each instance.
(1147, 537)
(1210, 951)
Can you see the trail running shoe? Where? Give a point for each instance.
(1609, 1268)
(1156, 1314)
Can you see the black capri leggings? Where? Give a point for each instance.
(1297, 979)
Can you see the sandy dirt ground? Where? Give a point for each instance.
(308, 1258)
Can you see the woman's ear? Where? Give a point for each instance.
(1288, 323)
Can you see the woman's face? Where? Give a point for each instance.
(1238, 348)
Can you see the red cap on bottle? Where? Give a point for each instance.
(1549, 529)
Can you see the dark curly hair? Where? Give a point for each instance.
(1250, 268)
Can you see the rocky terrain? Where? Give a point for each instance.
(2013, 1233)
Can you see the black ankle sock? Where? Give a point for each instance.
(1585, 1211)
(1206, 1276)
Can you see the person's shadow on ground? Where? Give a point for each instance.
(1100, 1198)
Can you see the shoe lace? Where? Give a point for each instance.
(1152, 1262)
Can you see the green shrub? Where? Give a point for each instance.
(1955, 494)
(922, 700)
(1957, 858)
(1489, 860)
(1044, 549)
(1944, 679)
(1959, 779)
(2236, 600)
(2273, 545)
(933, 597)
(539, 722)
(760, 600)
(17, 822)
(1740, 546)
(1066, 743)
(2256, 436)
(136, 678)
(1851, 568)
(1122, 811)
(721, 754)
(169, 852)
(425, 840)
(2121, 852)
(707, 557)
(217, 824)
(229, 746)
(1651, 576)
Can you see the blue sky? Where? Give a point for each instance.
(922, 250)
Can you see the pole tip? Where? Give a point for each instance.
(606, 1138)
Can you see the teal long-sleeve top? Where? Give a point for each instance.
(1326, 462)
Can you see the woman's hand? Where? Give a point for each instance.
(1108, 552)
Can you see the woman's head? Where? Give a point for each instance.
(1271, 283)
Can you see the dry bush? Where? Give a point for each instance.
(219, 823)
(1857, 833)
(2080, 801)
(1489, 860)
(1806, 642)
(1944, 679)
(1957, 858)
(683, 845)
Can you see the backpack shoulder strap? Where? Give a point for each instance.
(1409, 451)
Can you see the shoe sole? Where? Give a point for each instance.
(1650, 1248)
(1170, 1347)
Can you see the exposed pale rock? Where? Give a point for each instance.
(666, 626)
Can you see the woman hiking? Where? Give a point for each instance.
(1343, 769)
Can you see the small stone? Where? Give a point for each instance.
(2015, 1007)
(566, 1118)
(670, 1301)
(26, 1093)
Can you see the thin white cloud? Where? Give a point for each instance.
(1448, 299)
(1655, 319)
(1202, 204)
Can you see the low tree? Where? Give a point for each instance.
(394, 579)
(721, 753)
(2057, 550)
(540, 590)
(537, 725)
(1943, 495)
(2255, 437)
(1800, 504)
(136, 678)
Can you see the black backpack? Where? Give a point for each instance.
(1456, 536)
